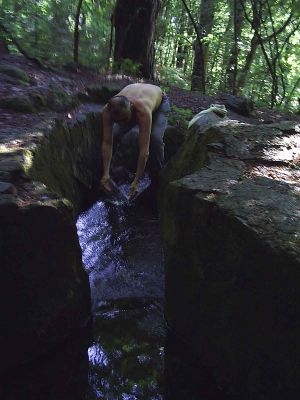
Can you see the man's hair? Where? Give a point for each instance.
(119, 103)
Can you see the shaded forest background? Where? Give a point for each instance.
(246, 47)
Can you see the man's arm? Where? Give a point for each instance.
(106, 149)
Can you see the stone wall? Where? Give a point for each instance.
(47, 174)
(232, 233)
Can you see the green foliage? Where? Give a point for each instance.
(45, 29)
(127, 67)
(172, 76)
(180, 116)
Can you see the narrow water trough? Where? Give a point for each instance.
(228, 248)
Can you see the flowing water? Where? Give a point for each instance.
(122, 252)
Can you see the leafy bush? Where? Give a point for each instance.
(172, 76)
(127, 67)
(180, 116)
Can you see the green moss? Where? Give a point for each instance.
(180, 116)
(27, 156)
(18, 103)
(191, 157)
(58, 99)
(38, 99)
(14, 72)
(67, 159)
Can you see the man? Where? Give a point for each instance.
(143, 105)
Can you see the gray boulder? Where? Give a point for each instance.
(240, 104)
(231, 230)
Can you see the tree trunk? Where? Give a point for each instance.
(187, 47)
(180, 45)
(76, 31)
(206, 19)
(231, 69)
(110, 42)
(249, 59)
(134, 22)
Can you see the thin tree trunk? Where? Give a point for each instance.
(289, 98)
(249, 59)
(180, 47)
(167, 53)
(206, 20)
(110, 41)
(198, 81)
(36, 26)
(186, 48)
(232, 66)
(173, 62)
(76, 31)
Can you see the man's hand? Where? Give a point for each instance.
(133, 189)
(105, 183)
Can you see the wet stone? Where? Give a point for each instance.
(7, 188)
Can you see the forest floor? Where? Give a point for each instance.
(73, 82)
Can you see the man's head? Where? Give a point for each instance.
(120, 109)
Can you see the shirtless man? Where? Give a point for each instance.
(145, 106)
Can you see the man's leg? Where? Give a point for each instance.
(118, 132)
(125, 152)
(156, 156)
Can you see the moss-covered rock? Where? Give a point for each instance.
(18, 103)
(68, 158)
(174, 137)
(14, 72)
(191, 156)
(38, 99)
(58, 99)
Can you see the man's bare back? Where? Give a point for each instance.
(145, 94)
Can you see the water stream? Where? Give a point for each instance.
(122, 252)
